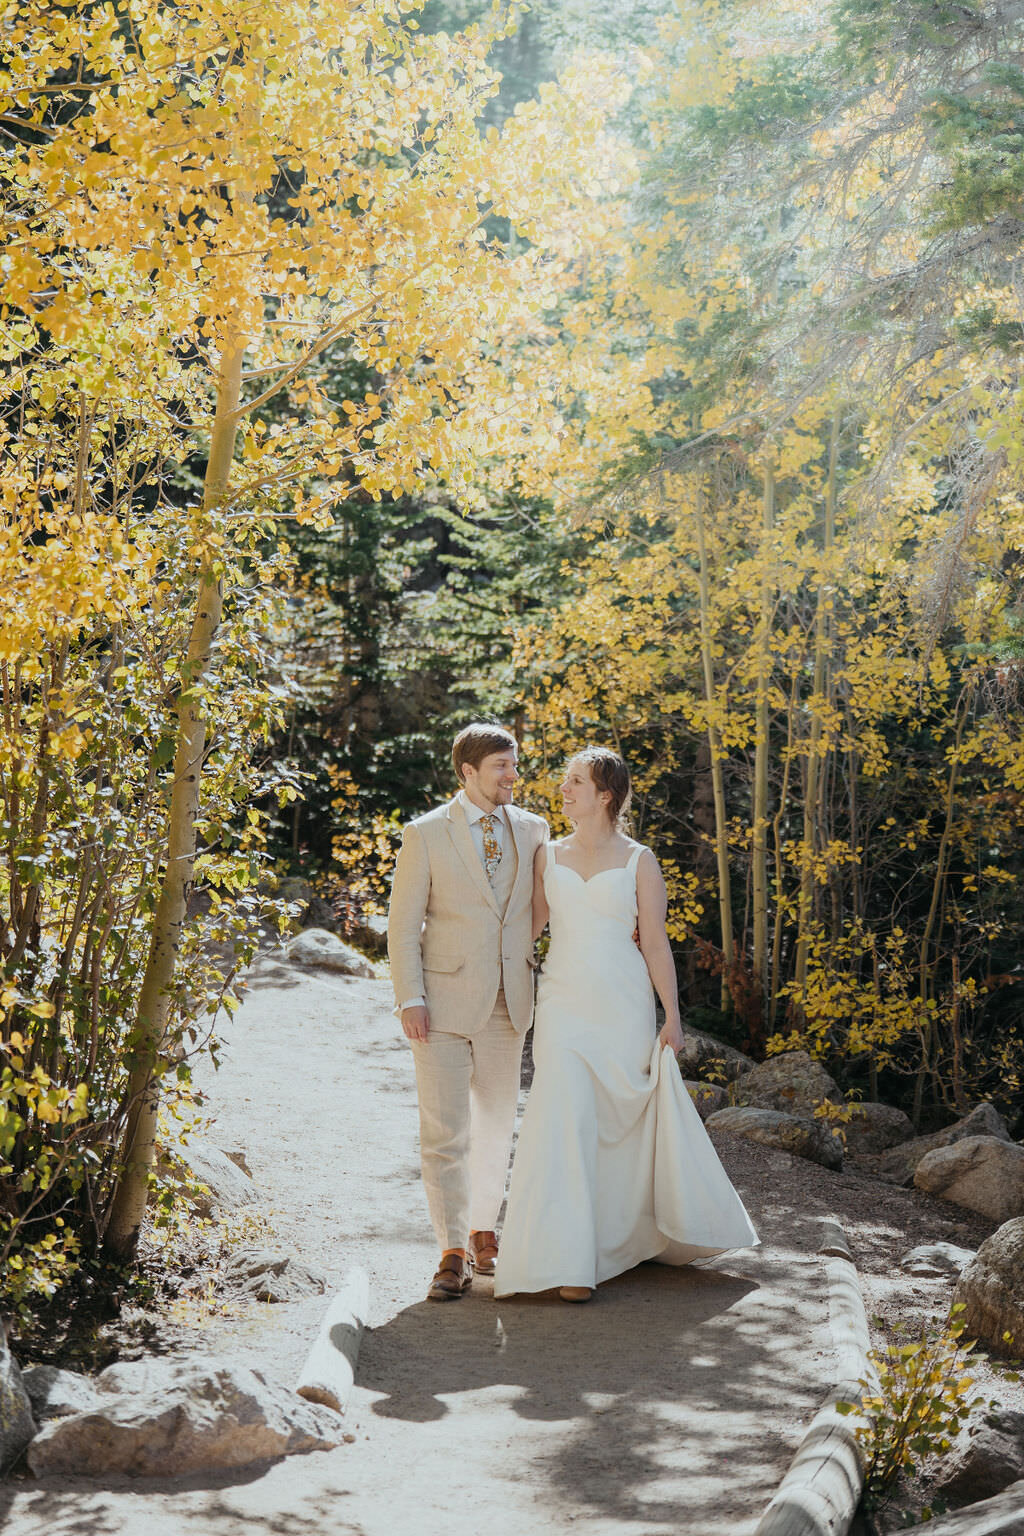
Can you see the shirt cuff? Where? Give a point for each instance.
(413, 1002)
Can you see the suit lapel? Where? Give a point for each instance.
(518, 837)
(462, 837)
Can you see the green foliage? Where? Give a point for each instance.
(785, 92)
(84, 824)
(923, 1399)
(982, 133)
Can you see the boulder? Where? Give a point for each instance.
(317, 949)
(707, 1059)
(169, 1418)
(273, 1277)
(981, 1173)
(54, 1392)
(991, 1288)
(226, 1186)
(708, 1098)
(792, 1082)
(898, 1164)
(936, 1259)
(987, 1456)
(17, 1424)
(1002, 1515)
(798, 1134)
(874, 1128)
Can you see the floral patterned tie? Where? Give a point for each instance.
(492, 848)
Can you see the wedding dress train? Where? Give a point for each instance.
(613, 1164)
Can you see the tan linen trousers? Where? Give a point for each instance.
(468, 1087)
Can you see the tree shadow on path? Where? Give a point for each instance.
(676, 1391)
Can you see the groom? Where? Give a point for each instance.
(460, 943)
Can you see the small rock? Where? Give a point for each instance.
(800, 1135)
(240, 1160)
(991, 1288)
(986, 1458)
(227, 1185)
(705, 1058)
(708, 1098)
(17, 1426)
(981, 1173)
(898, 1164)
(273, 1277)
(936, 1259)
(792, 1082)
(875, 1128)
(54, 1393)
(317, 948)
(169, 1418)
(318, 914)
(294, 888)
(370, 935)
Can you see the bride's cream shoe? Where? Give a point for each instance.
(575, 1292)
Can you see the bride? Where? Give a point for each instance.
(613, 1163)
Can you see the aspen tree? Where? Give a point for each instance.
(204, 205)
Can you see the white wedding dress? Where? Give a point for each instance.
(613, 1164)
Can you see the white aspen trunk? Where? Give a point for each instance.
(714, 743)
(822, 635)
(129, 1204)
(759, 828)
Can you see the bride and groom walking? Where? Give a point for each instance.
(613, 1165)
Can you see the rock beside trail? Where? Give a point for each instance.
(897, 1166)
(981, 1173)
(707, 1098)
(226, 1187)
(370, 935)
(168, 1418)
(936, 1259)
(986, 1458)
(316, 949)
(991, 1289)
(704, 1058)
(54, 1393)
(800, 1135)
(273, 1277)
(874, 1128)
(792, 1082)
(999, 1516)
(17, 1424)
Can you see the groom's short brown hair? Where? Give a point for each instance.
(477, 741)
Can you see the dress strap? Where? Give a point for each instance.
(634, 857)
(549, 853)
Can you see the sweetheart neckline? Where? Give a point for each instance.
(614, 869)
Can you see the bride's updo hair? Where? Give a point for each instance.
(610, 775)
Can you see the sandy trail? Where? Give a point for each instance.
(671, 1404)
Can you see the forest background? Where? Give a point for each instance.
(650, 378)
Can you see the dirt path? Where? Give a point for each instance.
(670, 1405)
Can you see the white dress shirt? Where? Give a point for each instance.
(473, 815)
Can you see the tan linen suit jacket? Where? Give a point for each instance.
(447, 939)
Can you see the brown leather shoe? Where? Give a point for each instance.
(483, 1252)
(575, 1292)
(454, 1276)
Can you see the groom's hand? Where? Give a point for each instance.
(415, 1023)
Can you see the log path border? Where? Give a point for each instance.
(821, 1490)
